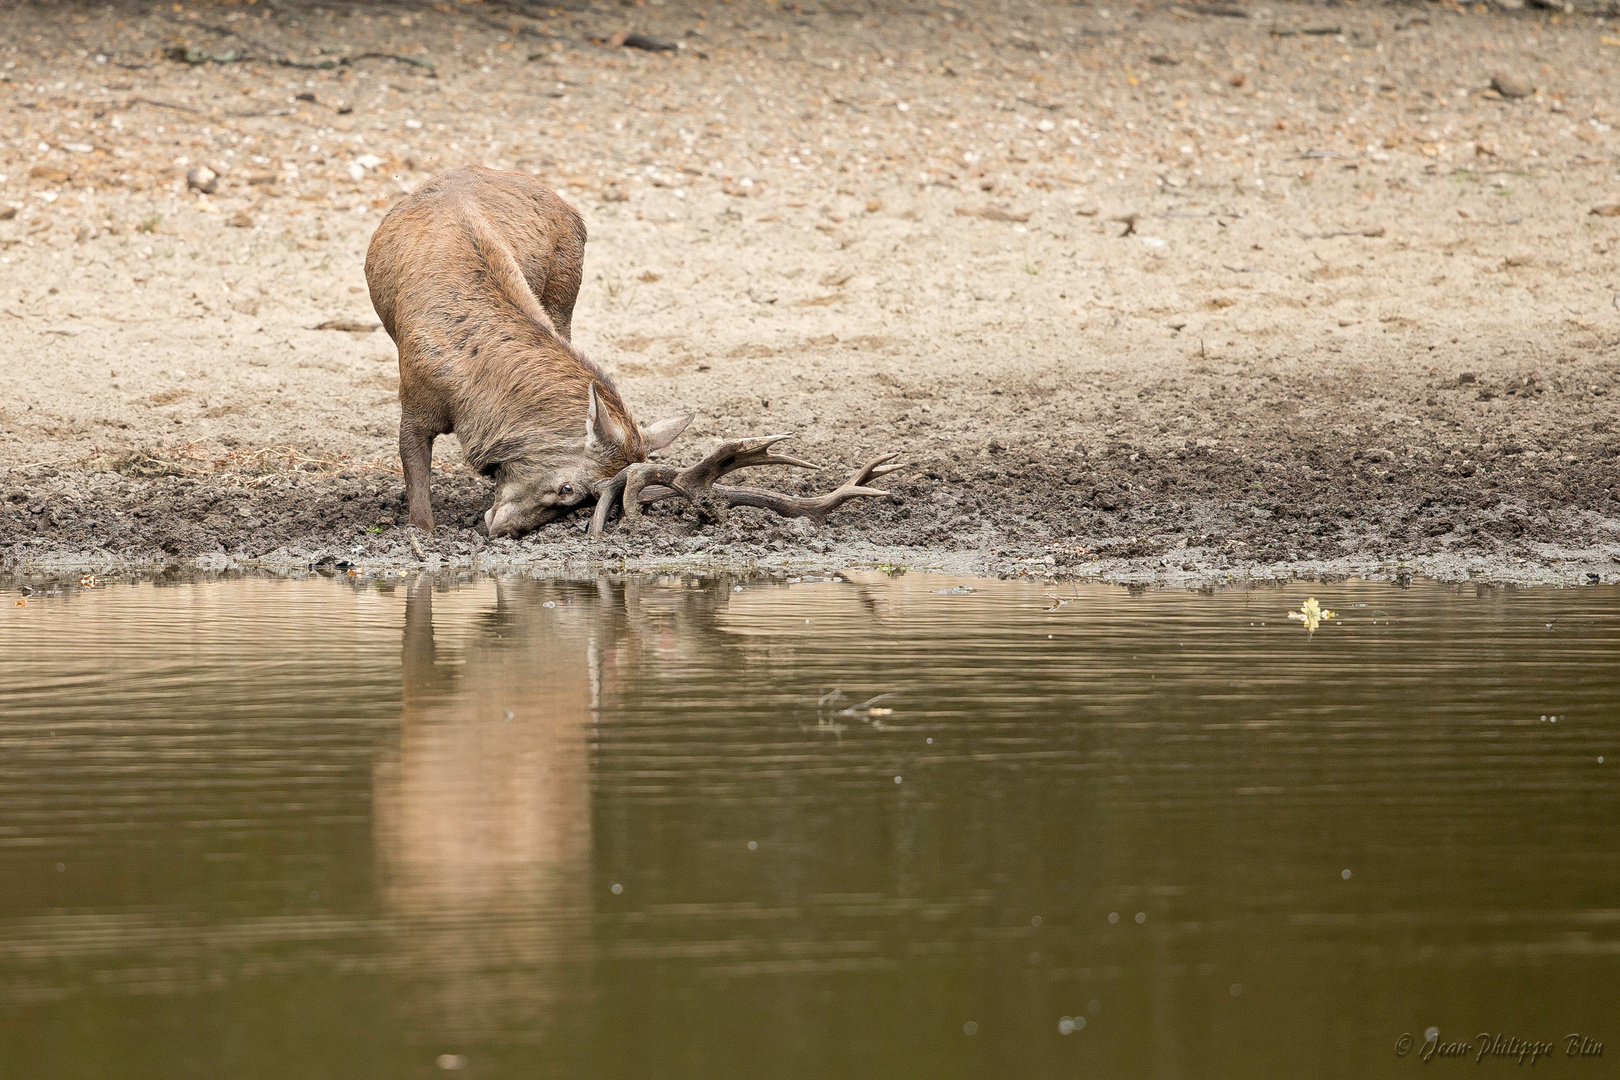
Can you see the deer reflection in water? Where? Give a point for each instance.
(484, 813)
(483, 816)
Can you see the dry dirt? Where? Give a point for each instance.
(1143, 289)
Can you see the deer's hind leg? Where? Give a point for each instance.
(563, 265)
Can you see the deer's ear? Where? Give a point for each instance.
(603, 434)
(659, 435)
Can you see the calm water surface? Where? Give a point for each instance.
(625, 828)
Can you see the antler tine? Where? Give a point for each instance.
(876, 467)
(728, 457)
(607, 497)
(637, 477)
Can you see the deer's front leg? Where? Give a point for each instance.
(416, 455)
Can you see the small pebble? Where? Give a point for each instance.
(1511, 86)
(203, 179)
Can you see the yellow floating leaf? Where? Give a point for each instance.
(1311, 614)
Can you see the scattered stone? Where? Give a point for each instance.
(1511, 86)
(203, 179)
(629, 39)
(240, 220)
(194, 56)
(50, 173)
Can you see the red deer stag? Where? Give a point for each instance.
(474, 276)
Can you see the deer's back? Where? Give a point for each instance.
(431, 252)
(474, 276)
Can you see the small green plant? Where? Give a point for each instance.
(150, 224)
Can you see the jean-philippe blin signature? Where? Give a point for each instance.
(1488, 1045)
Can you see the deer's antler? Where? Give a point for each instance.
(814, 507)
(645, 483)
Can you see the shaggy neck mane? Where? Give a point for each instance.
(531, 392)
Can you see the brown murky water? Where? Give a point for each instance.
(523, 828)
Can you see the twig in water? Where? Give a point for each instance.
(865, 706)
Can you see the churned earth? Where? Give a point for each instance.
(1147, 291)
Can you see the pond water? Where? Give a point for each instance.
(397, 827)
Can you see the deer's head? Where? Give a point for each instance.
(542, 486)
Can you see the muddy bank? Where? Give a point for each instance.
(1141, 292)
(1120, 513)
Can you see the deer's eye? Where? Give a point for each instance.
(566, 489)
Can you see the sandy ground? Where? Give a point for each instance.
(1141, 290)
